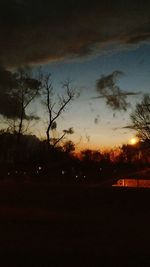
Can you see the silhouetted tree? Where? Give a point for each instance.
(26, 91)
(69, 146)
(86, 155)
(9, 105)
(55, 107)
(17, 90)
(140, 118)
(145, 151)
(65, 132)
(9, 153)
(129, 153)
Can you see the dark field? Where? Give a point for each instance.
(43, 225)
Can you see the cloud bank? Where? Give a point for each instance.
(35, 31)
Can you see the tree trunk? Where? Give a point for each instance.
(21, 123)
(48, 137)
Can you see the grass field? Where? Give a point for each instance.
(43, 225)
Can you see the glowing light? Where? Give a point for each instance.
(133, 141)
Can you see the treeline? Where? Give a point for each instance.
(31, 159)
(24, 156)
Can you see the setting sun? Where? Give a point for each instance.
(133, 141)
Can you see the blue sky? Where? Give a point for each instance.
(82, 40)
(81, 114)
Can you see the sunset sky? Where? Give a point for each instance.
(82, 40)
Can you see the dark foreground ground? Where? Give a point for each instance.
(43, 225)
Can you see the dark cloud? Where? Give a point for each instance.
(10, 106)
(96, 120)
(113, 95)
(11, 95)
(42, 30)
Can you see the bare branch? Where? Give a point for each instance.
(140, 118)
(54, 108)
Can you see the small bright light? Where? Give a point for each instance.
(133, 141)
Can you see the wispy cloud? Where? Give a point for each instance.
(120, 94)
(109, 90)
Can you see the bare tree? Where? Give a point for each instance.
(56, 108)
(140, 118)
(65, 132)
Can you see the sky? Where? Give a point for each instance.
(82, 40)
